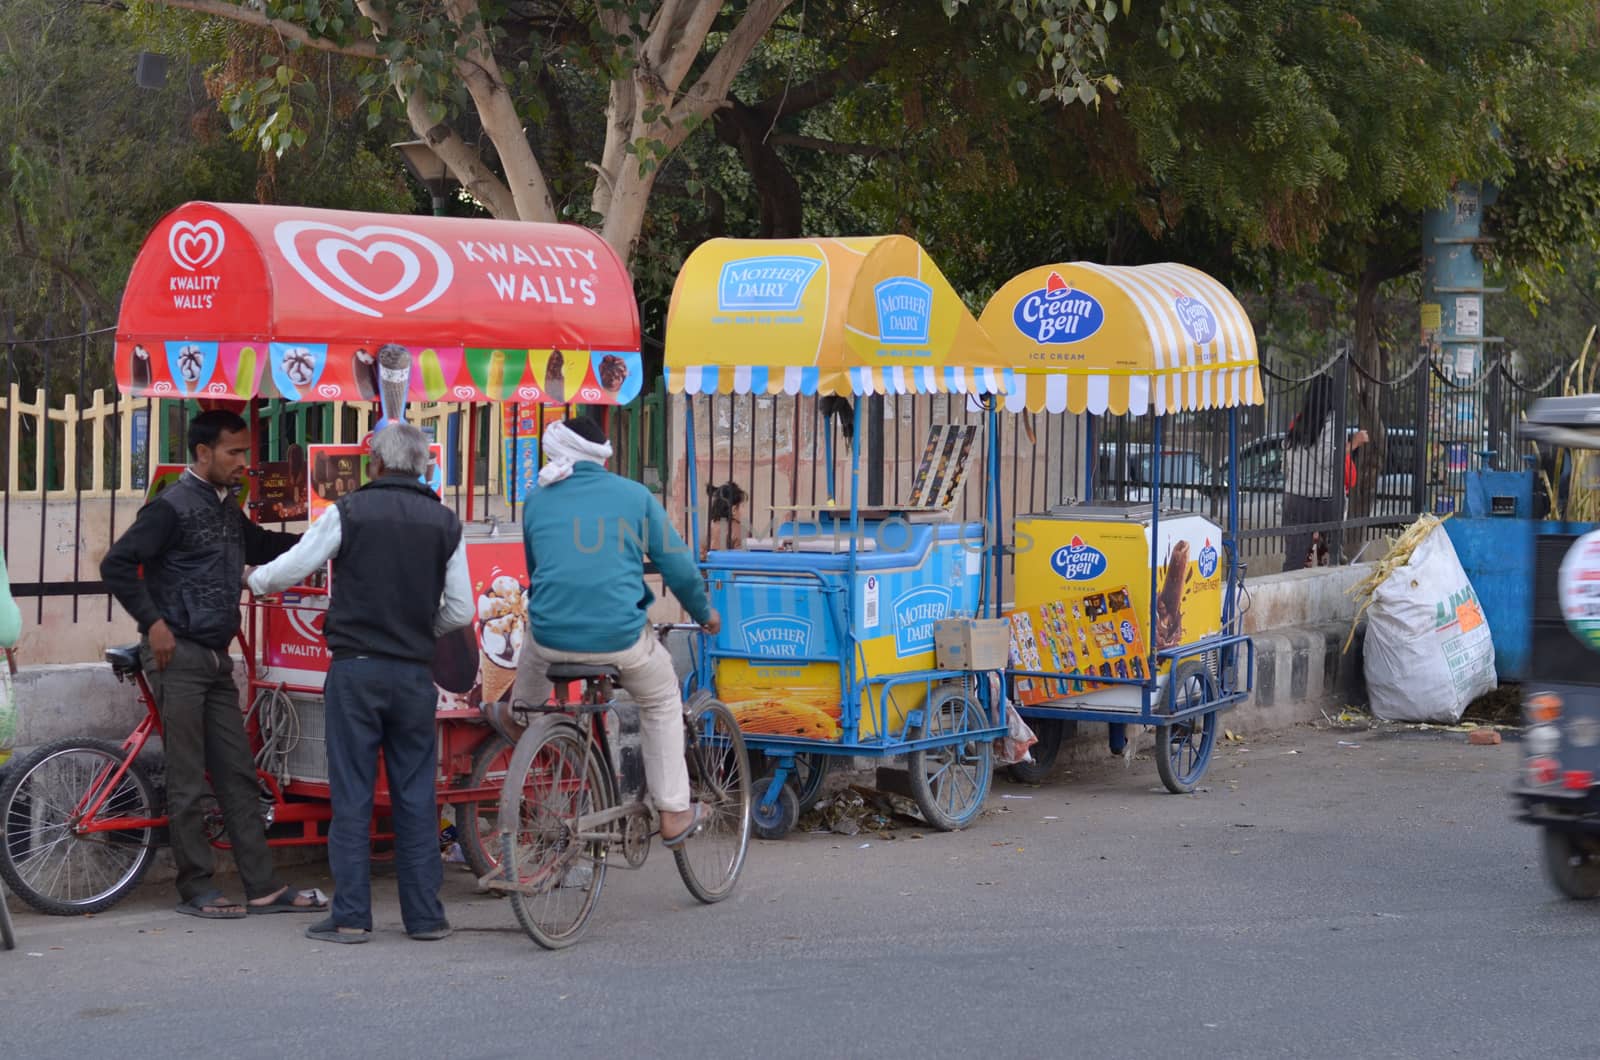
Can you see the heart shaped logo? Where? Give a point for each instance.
(529, 393)
(217, 388)
(465, 393)
(363, 269)
(329, 390)
(195, 245)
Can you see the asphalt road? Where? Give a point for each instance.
(1316, 900)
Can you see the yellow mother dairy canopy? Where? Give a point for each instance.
(1107, 338)
(823, 316)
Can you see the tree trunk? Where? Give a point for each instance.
(745, 128)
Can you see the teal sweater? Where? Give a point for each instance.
(587, 538)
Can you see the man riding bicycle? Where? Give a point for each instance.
(587, 533)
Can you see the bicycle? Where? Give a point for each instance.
(574, 792)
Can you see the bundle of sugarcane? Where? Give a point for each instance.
(1400, 549)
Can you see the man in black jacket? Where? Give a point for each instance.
(193, 542)
(399, 582)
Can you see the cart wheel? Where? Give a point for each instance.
(41, 859)
(1572, 861)
(1183, 749)
(477, 822)
(1051, 732)
(555, 778)
(951, 782)
(720, 781)
(809, 771)
(777, 820)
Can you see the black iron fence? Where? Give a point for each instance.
(76, 458)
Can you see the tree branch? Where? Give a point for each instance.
(812, 143)
(92, 300)
(462, 161)
(711, 90)
(823, 87)
(252, 16)
(673, 49)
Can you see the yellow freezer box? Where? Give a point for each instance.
(1083, 598)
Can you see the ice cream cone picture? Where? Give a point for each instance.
(502, 625)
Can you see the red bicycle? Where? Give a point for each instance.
(81, 818)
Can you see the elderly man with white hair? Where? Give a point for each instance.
(399, 583)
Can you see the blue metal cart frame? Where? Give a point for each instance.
(971, 736)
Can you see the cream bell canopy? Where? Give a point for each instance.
(824, 316)
(1105, 338)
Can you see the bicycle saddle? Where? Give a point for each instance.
(581, 672)
(124, 660)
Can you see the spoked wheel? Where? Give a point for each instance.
(477, 822)
(719, 779)
(1050, 733)
(951, 782)
(809, 771)
(42, 858)
(1183, 749)
(1572, 861)
(555, 777)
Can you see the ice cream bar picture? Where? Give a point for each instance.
(140, 368)
(555, 383)
(364, 366)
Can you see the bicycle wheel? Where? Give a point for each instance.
(555, 777)
(719, 779)
(476, 826)
(42, 858)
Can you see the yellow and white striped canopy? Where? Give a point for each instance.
(1120, 339)
(823, 316)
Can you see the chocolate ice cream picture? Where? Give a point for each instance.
(140, 368)
(555, 383)
(364, 366)
(1169, 605)
(613, 372)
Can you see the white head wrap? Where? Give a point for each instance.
(564, 447)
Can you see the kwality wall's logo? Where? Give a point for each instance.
(195, 245)
(1207, 559)
(1057, 315)
(771, 284)
(779, 638)
(364, 269)
(905, 311)
(914, 613)
(1198, 321)
(1078, 562)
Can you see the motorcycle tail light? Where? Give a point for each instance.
(1543, 708)
(1543, 770)
(1578, 779)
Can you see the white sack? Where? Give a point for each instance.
(1428, 649)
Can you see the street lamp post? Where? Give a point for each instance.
(425, 165)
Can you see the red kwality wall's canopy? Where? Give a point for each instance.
(227, 300)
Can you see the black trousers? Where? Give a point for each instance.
(203, 731)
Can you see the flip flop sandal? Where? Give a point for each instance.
(701, 819)
(327, 931)
(285, 903)
(211, 906)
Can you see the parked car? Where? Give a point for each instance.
(1124, 472)
(1261, 478)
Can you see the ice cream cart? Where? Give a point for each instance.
(238, 303)
(1127, 613)
(827, 646)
